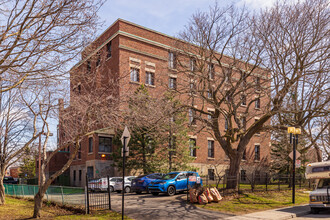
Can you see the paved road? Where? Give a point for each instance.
(322, 215)
(147, 206)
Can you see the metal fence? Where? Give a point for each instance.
(260, 182)
(95, 198)
(59, 194)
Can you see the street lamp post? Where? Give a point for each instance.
(294, 140)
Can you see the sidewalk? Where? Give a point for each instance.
(275, 214)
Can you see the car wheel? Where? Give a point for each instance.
(111, 189)
(315, 211)
(127, 189)
(155, 193)
(171, 191)
(138, 192)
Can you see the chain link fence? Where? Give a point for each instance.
(58, 194)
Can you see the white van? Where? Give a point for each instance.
(102, 184)
(319, 198)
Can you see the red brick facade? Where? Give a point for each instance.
(148, 50)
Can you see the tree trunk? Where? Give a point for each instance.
(2, 191)
(232, 177)
(38, 203)
(143, 139)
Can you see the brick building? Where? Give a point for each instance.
(55, 164)
(139, 55)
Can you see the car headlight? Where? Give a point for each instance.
(312, 198)
(162, 183)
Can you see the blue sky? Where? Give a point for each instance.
(166, 16)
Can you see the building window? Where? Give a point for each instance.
(90, 144)
(244, 155)
(243, 122)
(257, 103)
(211, 71)
(109, 49)
(79, 152)
(258, 132)
(74, 175)
(210, 147)
(90, 172)
(172, 83)
(79, 175)
(192, 147)
(193, 64)
(105, 144)
(98, 58)
(243, 175)
(172, 60)
(226, 123)
(226, 74)
(89, 66)
(257, 152)
(257, 83)
(210, 117)
(135, 75)
(243, 99)
(210, 173)
(244, 83)
(191, 113)
(150, 78)
(209, 94)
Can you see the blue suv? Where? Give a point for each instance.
(173, 182)
(141, 183)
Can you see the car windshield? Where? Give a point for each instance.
(131, 178)
(169, 176)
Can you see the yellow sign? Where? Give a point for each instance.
(293, 130)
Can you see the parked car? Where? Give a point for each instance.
(141, 183)
(127, 184)
(9, 180)
(173, 182)
(101, 184)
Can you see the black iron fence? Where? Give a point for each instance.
(97, 194)
(256, 182)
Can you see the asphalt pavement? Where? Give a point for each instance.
(147, 206)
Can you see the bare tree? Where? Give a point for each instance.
(18, 129)
(289, 40)
(90, 108)
(39, 37)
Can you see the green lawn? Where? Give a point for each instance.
(23, 209)
(257, 201)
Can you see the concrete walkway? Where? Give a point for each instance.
(275, 214)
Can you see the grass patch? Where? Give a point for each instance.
(16, 208)
(257, 201)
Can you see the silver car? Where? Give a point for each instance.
(127, 185)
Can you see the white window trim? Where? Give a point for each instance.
(149, 70)
(134, 60)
